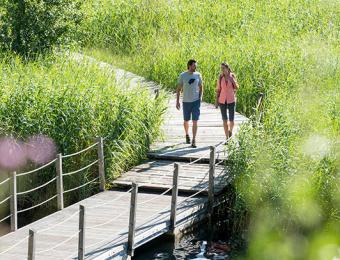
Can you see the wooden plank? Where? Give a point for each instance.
(105, 234)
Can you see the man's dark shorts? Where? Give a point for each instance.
(191, 110)
(231, 109)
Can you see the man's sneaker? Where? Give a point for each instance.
(193, 144)
(187, 139)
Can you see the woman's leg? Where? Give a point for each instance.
(231, 109)
(225, 126)
(223, 108)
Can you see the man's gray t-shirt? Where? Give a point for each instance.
(190, 83)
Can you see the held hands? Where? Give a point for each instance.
(216, 104)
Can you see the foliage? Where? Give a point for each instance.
(72, 102)
(36, 26)
(286, 167)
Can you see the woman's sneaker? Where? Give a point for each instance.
(187, 139)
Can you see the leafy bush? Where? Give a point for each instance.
(36, 26)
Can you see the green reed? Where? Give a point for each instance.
(73, 102)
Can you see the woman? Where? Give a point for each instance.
(226, 97)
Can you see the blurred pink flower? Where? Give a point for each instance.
(40, 149)
(12, 154)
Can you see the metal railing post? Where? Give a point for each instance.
(14, 200)
(211, 179)
(31, 245)
(174, 198)
(60, 185)
(81, 238)
(101, 163)
(132, 220)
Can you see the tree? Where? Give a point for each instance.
(29, 27)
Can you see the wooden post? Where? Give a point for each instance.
(81, 238)
(31, 245)
(174, 198)
(156, 93)
(60, 185)
(101, 163)
(14, 207)
(211, 179)
(132, 221)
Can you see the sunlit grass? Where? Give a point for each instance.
(73, 102)
(286, 167)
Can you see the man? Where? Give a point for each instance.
(190, 83)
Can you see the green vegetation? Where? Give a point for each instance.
(34, 27)
(286, 166)
(72, 102)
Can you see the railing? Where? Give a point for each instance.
(12, 179)
(58, 180)
(133, 230)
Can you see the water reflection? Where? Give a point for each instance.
(189, 247)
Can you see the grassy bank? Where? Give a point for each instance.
(287, 166)
(72, 102)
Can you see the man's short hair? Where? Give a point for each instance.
(190, 62)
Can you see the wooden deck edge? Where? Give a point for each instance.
(155, 156)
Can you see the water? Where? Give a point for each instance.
(198, 245)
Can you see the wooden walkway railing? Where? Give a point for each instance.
(58, 179)
(32, 241)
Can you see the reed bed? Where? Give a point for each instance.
(286, 165)
(72, 102)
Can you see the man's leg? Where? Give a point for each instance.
(194, 129)
(186, 117)
(186, 127)
(195, 118)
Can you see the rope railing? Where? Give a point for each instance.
(37, 188)
(193, 195)
(4, 181)
(13, 246)
(159, 212)
(157, 196)
(5, 218)
(81, 186)
(82, 151)
(38, 205)
(82, 169)
(37, 169)
(197, 160)
(109, 221)
(58, 224)
(59, 244)
(6, 199)
(109, 202)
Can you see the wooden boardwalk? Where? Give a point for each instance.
(107, 213)
(158, 175)
(107, 219)
(210, 132)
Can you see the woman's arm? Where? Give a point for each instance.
(235, 84)
(218, 91)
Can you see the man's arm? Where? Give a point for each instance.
(201, 91)
(200, 85)
(178, 93)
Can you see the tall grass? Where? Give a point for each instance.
(264, 43)
(287, 166)
(72, 102)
